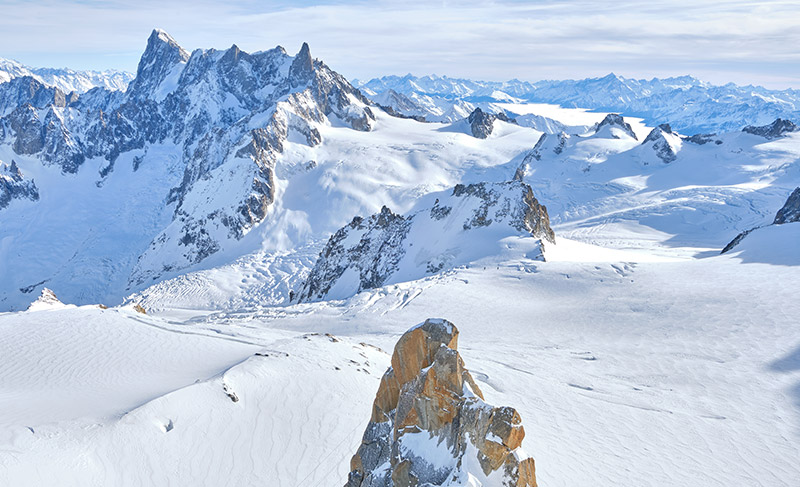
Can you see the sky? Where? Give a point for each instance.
(745, 42)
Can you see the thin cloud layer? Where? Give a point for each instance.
(740, 41)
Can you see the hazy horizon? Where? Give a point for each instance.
(739, 41)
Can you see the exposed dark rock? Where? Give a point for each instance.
(482, 123)
(367, 252)
(661, 145)
(790, 212)
(776, 129)
(615, 120)
(702, 139)
(13, 185)
(160, 56)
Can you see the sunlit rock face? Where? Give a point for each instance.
(430, 425)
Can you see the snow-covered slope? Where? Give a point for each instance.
(625, 372)
(689, 105)
(442, 231)
(186, 158)
(67, 80)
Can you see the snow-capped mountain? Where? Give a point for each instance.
(198, 231)
(387, 248)
(67, 80)
(224, 163)
(187, 156)
(689, 105)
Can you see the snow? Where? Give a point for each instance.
(67, 80)
(634, 372)
(635, 354)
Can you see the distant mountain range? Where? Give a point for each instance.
(688, 104)
(220, 158)
(67, 80)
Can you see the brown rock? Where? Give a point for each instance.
(428, 401)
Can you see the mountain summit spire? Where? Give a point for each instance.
(302, 66)
(160, 56)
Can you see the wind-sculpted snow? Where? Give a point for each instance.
(688, 104)
(387, 247)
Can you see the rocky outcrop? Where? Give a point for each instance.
(789, 213)
(774, 130)
(547, 143)
(371, 248)
(160, 59)
(664, 142)
(702, 139)
(46, 300)
(481, 123)
(26, 90)
(371, 252)
(615, 121)
(13, 185)
(430, 425)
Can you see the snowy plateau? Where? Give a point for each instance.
(240, 268)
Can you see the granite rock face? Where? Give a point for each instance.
(431, 426)
(222, 111)
(775, 130)
(375, 251)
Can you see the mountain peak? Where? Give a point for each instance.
(616, 120)
(160, 56)
(302, 66)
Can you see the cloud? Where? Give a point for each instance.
(740, 41)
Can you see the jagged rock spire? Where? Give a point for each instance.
(428, 403)
(160, 56)
(302, 67)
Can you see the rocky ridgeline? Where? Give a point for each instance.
(371, 252)
(615, 123)
(431, 426)
(14, 185)
(774, 130)
(482, 124)
(216, 108)
(664, 142)
(789, 213)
